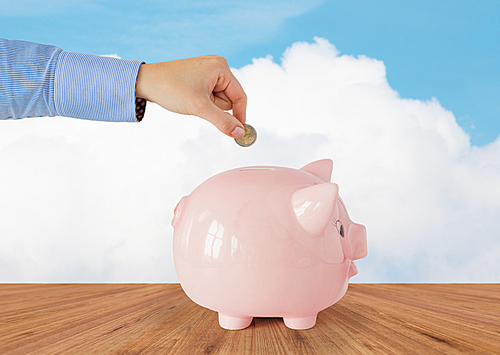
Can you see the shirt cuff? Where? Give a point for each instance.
(96, 88)
(140, 108)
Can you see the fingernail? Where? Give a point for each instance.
(238, 132)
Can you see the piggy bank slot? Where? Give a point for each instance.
(249, 169)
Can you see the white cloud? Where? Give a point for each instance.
(111, 56)
(92, 201)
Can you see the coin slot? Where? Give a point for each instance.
(247, 169)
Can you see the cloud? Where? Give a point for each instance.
(405, 167)
(111, 56)
(92, 201)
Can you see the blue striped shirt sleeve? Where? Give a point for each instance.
(41, 80)
(27, 79)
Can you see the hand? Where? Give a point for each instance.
(201, 86)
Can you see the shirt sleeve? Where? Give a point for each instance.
(27, 79)
(41, 80)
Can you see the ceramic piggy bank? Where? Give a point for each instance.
(266, 242)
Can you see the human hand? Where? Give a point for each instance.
(201, 86)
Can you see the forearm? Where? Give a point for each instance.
(95, 87)
(40, 80)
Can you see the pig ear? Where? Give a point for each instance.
(314, 205)
(320, 168)
(356, 238)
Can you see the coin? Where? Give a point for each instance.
(249, 138)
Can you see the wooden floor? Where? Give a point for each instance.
(160, 319)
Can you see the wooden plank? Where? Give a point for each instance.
(159, 318)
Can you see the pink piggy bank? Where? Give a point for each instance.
(266, 242)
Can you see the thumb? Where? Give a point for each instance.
(225, 122)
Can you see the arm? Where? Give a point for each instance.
(27, 79)
(41, 80)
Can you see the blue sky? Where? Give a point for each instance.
(444, 49)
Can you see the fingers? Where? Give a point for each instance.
(222, 101)
(227, 94)
(225, 122)
(231, 87)
(235, 93)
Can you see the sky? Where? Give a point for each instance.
(443, 49)
(403, 99)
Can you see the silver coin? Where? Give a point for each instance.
(249, 138)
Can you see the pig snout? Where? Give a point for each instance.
(356, 242)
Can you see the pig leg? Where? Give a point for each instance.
(234, 322)
(300, 322)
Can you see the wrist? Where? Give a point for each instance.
(141, 84)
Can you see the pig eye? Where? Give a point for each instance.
(340, 227)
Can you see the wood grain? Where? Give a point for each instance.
(160, 319)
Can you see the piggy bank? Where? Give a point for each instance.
(266, 241)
